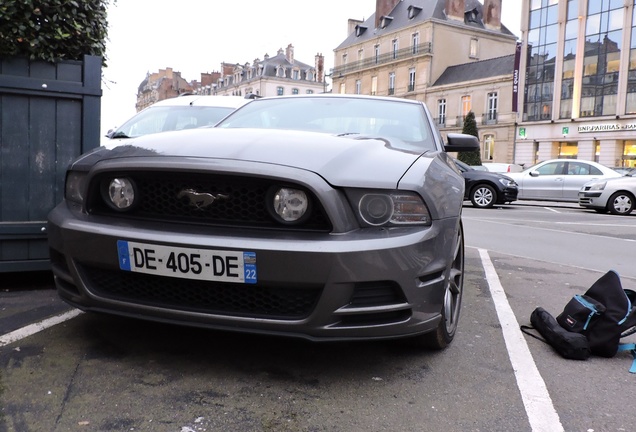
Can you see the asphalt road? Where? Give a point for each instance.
(99, 373)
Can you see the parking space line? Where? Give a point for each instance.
(31, 329)
(539, 407)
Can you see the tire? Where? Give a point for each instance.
(443, 335)
(601, 211)
(621, 203)
(483, 196)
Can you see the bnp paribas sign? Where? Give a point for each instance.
(608, 127)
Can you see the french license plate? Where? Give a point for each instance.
(204, 264)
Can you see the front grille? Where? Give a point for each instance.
(376, 294)
(257, 301)
(244, 201)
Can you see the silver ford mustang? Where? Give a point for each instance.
(328, 217)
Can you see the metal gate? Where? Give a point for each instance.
(49, 115)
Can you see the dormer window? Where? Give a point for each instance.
(385, 21)
(360, 30)
(471, 16)
(280, 72)
(414, 11)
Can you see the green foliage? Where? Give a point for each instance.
(53, 30)
(470, 128)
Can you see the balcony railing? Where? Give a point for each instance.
(391, 91)
(391, 57)
(441, 122)
(489, 118)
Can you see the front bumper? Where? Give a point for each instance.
(364, 284)
(593, 200)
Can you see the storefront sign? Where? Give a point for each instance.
(614, 127)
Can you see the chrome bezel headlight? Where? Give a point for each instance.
(377, 208)
(598, 186)
(75, 186)
(289, 205)
(119, 193)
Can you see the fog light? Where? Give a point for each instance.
(290, 205)
(121, 192)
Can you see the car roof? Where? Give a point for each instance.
(204, 100)
(344, 96)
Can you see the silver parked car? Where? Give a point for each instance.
(617, 195)
(558, 179)
(183, 112)
(329, 217)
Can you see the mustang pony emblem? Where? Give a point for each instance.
(200, 200)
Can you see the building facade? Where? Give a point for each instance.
(161, 85)
(408, 48)
(578, 75)
(272, 76)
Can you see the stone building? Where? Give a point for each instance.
(578, 72)
(279, 75)
(455, 55)
(161, 85)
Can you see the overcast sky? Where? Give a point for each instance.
(194, 36)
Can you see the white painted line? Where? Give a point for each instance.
(31, 329)
(534, 393)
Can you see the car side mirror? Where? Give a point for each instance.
(461, 143)
(534, 174)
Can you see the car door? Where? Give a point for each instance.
(578, 173)
(544, 182)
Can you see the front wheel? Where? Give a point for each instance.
(454, 289)
(483, 196)
(621, 203)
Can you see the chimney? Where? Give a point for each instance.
(289, 53)
(455, 10)
(492, 14)
(384, 8)
(320, 68)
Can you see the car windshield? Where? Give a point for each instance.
(404, 121)
(169, 118)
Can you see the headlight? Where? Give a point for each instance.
(74, 186)
(120, 193)
(597, 186)
(288, 205)
(379, 208)
(507, 182)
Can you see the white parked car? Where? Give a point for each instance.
(178, 113)
(502, 167)
(617, 195)
(559, 179)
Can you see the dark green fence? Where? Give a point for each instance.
(49, 115)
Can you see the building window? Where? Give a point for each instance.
(603, 36)
(391, 83)
(542, 44)
(491, 115)
(466, 105)
(394, 48)
(376, 53)
(342, 88)
(489, 147)
(294, 91)
(296, 74)
(415, 43)
(411, 79)
(310, 91)
(344, 59)
(280, 72)
(358, 87)
(441, 112)
(360, 54)
(630, 104)
(569, 59)
(310, 75)
(629, 154)
(280, 91)
(474, 48)
(374, 85)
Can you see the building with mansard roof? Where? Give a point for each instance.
(455, 55)
(279, 75)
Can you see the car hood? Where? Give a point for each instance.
(352, 160)
(625, 182)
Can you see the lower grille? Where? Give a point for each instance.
(257, 301)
